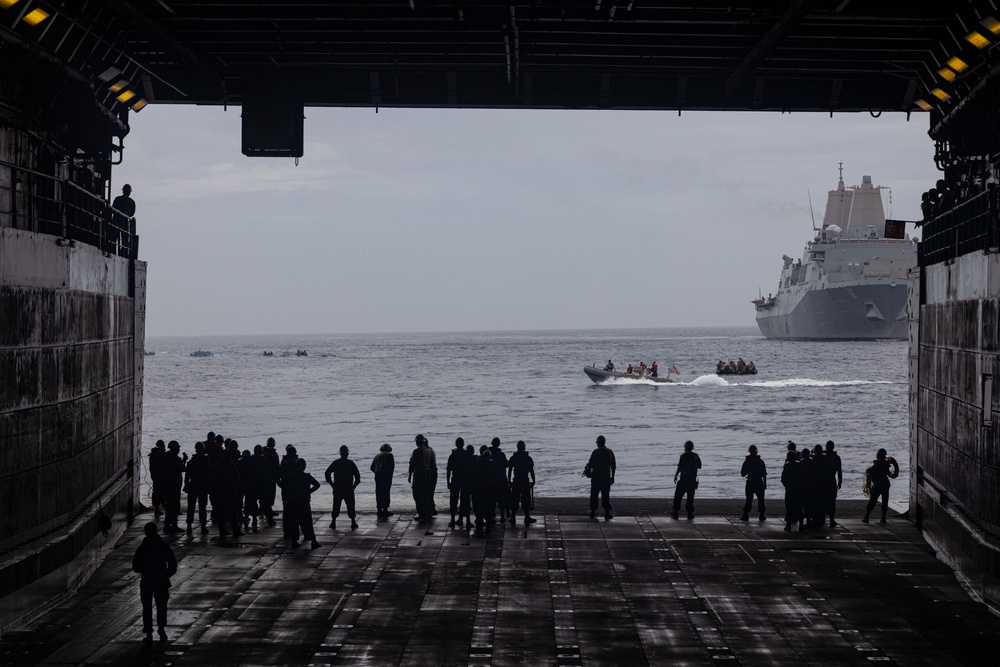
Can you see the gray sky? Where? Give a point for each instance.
(456, 220)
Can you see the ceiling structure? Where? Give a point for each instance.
(815, 55)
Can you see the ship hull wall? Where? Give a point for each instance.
(71, 331)
(838, 313)
(954, 440)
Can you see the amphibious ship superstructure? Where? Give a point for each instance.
(851, 281)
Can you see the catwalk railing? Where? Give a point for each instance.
(967, 227)
(42, 203)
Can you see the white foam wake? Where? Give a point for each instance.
(808, 382)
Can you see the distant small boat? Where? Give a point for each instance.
(202, 353)
(269, 354)
(599, 375)
(150, 353)
(301, 353)
(726, 371)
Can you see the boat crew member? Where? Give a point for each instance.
(383, 466)
(601, 471)
(751, 367)
(653, 370)
(609, 366)
(155, 562)
(720, 367)
(741, 365)
(629, 369)
(642, 368)
(756, 473)
(522, 468)
(344, 477)
(687, 470)
(883, 469)
(457, 476)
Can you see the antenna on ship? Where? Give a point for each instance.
(841, 170)
(811, 212)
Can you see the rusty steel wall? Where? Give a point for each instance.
(69, 397)
(954, 440)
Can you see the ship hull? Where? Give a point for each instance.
(861, 311)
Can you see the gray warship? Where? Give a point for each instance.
(851, 281)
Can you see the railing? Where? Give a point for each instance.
(970, 226)
(47, 204)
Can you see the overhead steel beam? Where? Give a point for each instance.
(793, 15)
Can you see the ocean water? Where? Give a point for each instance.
(364, 390)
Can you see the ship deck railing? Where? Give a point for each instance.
(34, 201)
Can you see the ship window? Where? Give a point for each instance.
(987, 406)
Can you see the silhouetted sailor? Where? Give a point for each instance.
(253, 475)
(270, 481)
(756, 473)
(124, 201)
(521, 478)
(383, 465)
(298, 486)
(791, 480)
(883, 469)
(289, 464)
(500, 466)
(686, 479)
(226, 496)
(808, 480)
(154, 560)
(431, 503)
(458, 474)
(172, 478)
(484, 496)
(156, 474)
(197, 483)
(419, 476)
(601, 470)
(834, 479)
(344, 477)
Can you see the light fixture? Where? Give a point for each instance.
(977, 40)
(991, 24)
(121, 84)
(947, 74)
(126, 95)
(941, 95)
(35, 16)
(957, 64)
(139, 104)
(107, 74)
(923, 105)
(8, 3)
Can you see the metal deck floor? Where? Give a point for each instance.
(640, 589)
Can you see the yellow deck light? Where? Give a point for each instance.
(8, 3)
(957, 64)
(121, 84)
(977, 40)
(947, 74)
(36, 16)
(941, 95)
(139, 104)
(991, 24)
(923, 105)
(126, 95)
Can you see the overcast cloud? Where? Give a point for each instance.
(458, 220)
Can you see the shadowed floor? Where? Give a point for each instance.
(639, 589)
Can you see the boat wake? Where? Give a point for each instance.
(807, 382)
(713, 380)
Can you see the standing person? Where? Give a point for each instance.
(253, 473)
(383, 465)
(756, 473)
(419, 476)
(197, 483)
(156, 455)
(601, 471)
(172, 479)
(522, 468)
(226, 495)
(270, 481)
(297, 487)
(484, 499)
(883, 469)
(124, 201)
(289, 464)
(819, 488)
(432, 457)
(154, 560)
(834, 479)
(687, 470)
(654, 370)
(791, 480)
(457, 476)
(500, 466)
(344, 477)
